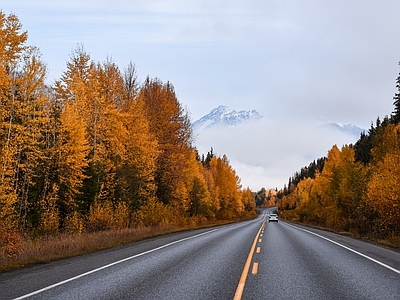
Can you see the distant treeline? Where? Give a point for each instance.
(355, 188)
(98, 150)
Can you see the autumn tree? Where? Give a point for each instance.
(136, 178)
(208, 176)
(227, 185)
(24, 117)
(71, 158)
(199, 201)
(12, 47)
(304, 204)
(171, 126)
(106, 127)
(383, 194)
(248, 201)
(96, 93)
(73, 91)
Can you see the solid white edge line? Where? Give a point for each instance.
(347, 248)
(110, 265)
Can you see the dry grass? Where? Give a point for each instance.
(66, 245)
(51, 248)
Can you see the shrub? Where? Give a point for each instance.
(10, 242)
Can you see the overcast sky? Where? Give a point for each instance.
(293, 61)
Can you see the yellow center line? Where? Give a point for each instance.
(258, 249)
(255, 268)
(243, 277)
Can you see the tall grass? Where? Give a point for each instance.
(46, 249)
(50, 248)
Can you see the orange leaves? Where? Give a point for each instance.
(10, 242)
(72, 149)
(383, 188)
(105, 215)
(170, 125)
(12, 40)
(23, 119)
(227, 187)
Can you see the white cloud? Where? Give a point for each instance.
(266, 153)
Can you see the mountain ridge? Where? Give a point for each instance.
(225, 116)
(345, 127)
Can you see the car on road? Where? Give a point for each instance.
(273, 218)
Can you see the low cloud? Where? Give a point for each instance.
(267, 152)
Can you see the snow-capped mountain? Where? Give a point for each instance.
(225, 116)
(346, 128)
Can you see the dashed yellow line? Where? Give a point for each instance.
(243, 277)
(255, 268)
(258, 249)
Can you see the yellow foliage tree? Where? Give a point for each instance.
(49, 219)
(199, 201)
(96, 93)
(137, 176)
(22, 120)
(71, 158)
(248, 200)
(171, 126)
(227, 185)
(383, 194)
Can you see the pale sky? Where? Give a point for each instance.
(293, 61)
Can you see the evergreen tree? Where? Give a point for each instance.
(209, 157)
(260, 197)
(362, 148)
(396, 112)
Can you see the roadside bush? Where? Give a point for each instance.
(10, 242)
(153, 213)
(100, 216)
(120, 218)
(74, 223)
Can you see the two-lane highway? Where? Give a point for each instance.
(289, 262)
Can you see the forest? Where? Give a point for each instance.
(355, 188)
(99, 150)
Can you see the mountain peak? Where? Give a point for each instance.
(224, 115)
(346, 128)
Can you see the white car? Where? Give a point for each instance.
(273, 218)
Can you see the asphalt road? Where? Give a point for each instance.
(249, 260)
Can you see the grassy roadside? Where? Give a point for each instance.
(52, 248)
